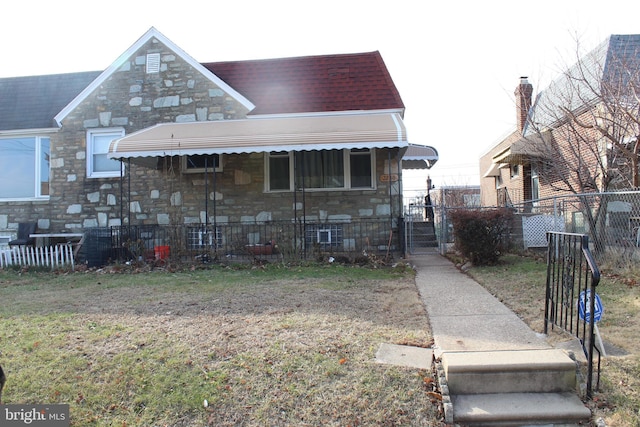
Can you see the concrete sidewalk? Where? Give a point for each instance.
(464, 316)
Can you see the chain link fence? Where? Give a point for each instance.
(611, 220)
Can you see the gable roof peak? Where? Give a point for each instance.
(119, 62)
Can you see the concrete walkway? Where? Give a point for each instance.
(464, 316)
(493, 369)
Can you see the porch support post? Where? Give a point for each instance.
(121, 193)
(129, 190)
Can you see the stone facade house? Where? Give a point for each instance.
(159, 140)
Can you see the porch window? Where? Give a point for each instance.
(98, 164)
(197, 163)
(24, 167)
(361, 168)
(279, 173)
(324, 235)
(321, 170)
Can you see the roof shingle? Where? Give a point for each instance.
(310, 84)
(32, 102)
(325, 83)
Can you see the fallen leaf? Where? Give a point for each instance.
(434, 395)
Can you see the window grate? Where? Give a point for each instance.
(325, 235)
(201, 237)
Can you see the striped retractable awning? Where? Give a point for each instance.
(257, 135)
(419, 157)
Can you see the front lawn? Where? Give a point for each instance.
(221, 346)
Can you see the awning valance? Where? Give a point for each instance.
(257, 135)
(419, 157)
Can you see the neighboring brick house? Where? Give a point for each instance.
(508, 180)
(533, 161)
(316, 138)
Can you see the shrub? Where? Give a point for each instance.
(481, 235)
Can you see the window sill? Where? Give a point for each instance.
(25, 199)
(319, 190)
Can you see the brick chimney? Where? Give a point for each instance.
(523, 102)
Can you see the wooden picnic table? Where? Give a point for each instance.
(75, 239)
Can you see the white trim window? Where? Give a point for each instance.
(98, 164)
(320, 170)
(24, 167)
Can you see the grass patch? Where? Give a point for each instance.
(262, 346)
(519, 282)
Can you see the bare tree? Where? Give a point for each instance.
(593, 112)
(588, 122)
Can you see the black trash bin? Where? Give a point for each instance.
(96, 248)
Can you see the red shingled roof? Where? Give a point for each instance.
(323, 83)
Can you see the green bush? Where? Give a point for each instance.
(481, 235)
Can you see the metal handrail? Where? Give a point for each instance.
(568, 260)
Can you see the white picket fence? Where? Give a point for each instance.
(57, 256)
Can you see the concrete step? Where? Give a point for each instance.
(509, 371)
(520, 409)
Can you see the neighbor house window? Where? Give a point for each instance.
(200, 163)
(98, 164)
(24, 167)
(535, 182)
(320, 170)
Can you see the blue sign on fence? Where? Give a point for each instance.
(584, 306)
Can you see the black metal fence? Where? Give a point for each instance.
(242, 241)
(572, 278)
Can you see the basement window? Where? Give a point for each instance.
(324, 235)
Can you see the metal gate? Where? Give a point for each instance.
(420, 229)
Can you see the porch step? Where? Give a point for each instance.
(519, 409)
(513, 388)
(423, 234)
(524, 371)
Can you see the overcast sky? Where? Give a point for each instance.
(455, 63)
